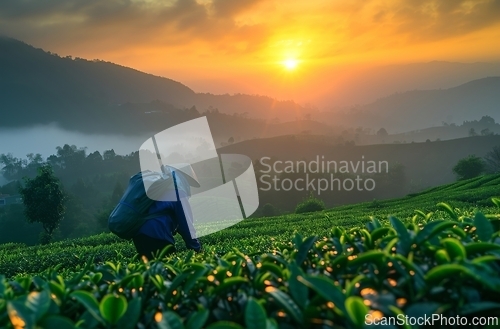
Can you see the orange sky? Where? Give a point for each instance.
(240, 46)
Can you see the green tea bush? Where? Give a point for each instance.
(310, 204)
(444, 262)
(254, 235)
(469, 167)
(339, 271)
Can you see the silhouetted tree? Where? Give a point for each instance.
(43, 200)
(472, 132)
(382, 132)
(12, 166)
(309, 205)
(193, 111)
(487, 120)
(486, 132)
(469, 167)
(109, 155)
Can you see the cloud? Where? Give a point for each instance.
(427, 20)
(240, 27)
(115, 22)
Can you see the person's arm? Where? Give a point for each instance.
(185, 227)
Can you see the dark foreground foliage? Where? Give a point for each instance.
(430, 265)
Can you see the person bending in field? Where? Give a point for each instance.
(176, 217)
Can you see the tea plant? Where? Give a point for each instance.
(430, 265)
(328, 269)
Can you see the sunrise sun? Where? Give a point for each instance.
(290, 63)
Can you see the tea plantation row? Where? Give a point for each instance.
(345, 279)
(255, 235)
(331, 269)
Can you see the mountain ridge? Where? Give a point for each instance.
(39, 87)
(419, 109)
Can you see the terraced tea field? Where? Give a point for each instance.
(337, 268)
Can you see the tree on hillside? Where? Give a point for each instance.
(486, 132)
(12, 167)
(109, 155)
(43, 200)
(493, 160)
(487, 120)
(469, 167)
(382, 132)
(309, 205)
(472, 132)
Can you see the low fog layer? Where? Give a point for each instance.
(44, 139)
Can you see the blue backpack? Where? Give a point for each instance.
(132, 211)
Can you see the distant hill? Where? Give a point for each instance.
(225, 126)
(366, 85)
(425, 164)
(443, 132)
(419, 109)
(39, 87)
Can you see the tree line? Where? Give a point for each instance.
(91, 182)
